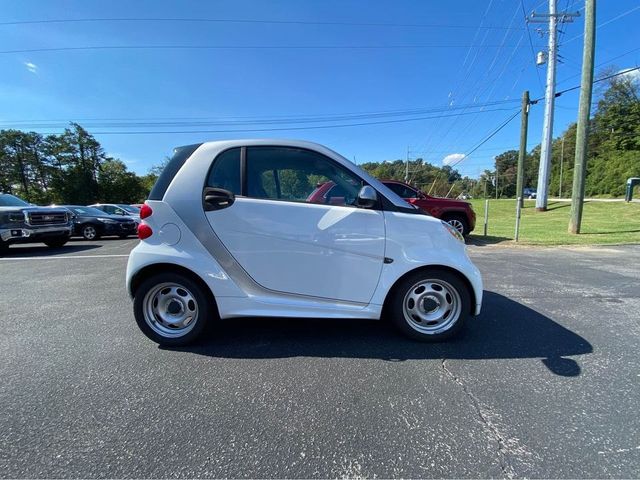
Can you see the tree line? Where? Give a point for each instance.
(613, 149)
(73, 168)
(70, 168)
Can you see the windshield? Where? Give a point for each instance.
(130, 209)
(7, 200)
(88, 211)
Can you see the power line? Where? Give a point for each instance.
(533, 52)
(279, 128)
(248, 120)
(488, 137)
(249, 21)
(633, 50)
(493, 83)
(601, 79)
(239, 47)
(611, 20)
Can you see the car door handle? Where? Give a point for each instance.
(217, 199)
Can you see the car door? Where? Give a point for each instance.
(287, 243)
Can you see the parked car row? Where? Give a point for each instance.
(104, 219)
(92, 223)
(22, 222)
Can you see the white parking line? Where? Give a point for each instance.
(60, 257)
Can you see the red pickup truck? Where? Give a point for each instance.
(458, 213)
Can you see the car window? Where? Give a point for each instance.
(87, 211)
(130, 209)
(107, 208)
(7, 200)
(225, 172)
(292, 174)
(402, 190)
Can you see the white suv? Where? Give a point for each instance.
(231, 230)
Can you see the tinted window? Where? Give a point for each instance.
(402, 190)
(282, 173)
(180, 156)
(225, 172)
(7, 200)
(131, 209)
(89, 211)
(108, 208)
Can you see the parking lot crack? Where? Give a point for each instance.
(489, 426)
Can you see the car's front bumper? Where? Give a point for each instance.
(120, 228)
(28, 235)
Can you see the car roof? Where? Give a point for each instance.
(276, 142)
(203, 153)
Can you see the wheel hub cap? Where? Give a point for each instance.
(170, 310)
(432, 306)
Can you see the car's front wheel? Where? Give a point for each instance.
(171, 309)
(459, 222)
(89, 232)
(430, 305)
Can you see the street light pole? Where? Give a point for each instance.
(553, 17)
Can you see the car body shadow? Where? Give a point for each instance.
(506, 329)
(44, 251)
(482, 241)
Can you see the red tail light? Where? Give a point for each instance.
(144, 231)
(145, 211)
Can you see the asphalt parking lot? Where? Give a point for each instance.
(545, 383)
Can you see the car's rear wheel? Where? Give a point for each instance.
(458, 222)
(89, 232)
(57, 242)
(171, 309)
(430, 305)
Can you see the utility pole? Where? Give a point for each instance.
(406, 170)
(553, 17)
(584, 110)
(561, 162)
(524, 125)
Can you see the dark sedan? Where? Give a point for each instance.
(91, 223)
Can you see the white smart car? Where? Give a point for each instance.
(232, 229)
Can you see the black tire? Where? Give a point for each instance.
(420, 328)
(89, 232)
(4, 247)
(460, 222)
(57, 242)
(204, 309)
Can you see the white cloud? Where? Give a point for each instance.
(32, 67)
(453, 158)
(633, 76)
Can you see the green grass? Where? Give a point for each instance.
(602, 223)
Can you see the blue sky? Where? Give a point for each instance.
(458, 64)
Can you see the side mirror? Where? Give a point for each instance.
(367, 197)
